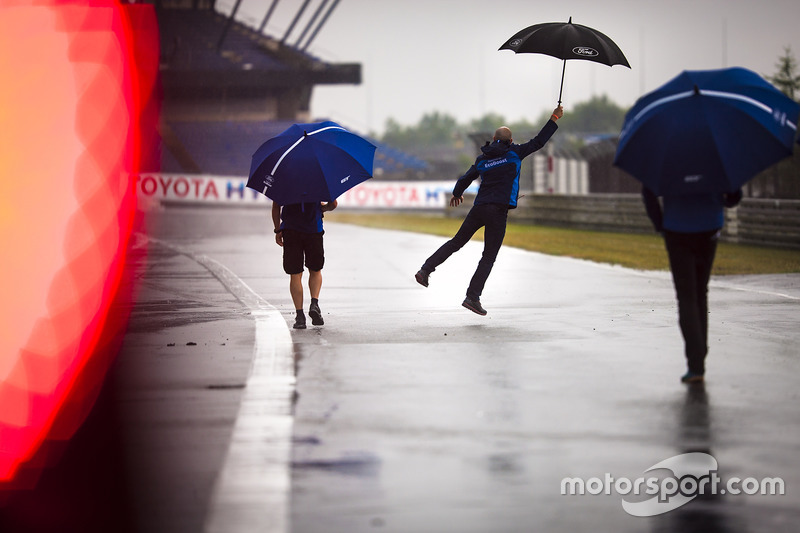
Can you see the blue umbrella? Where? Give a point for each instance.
(706, 131)
(314, 162)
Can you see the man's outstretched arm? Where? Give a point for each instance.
(543, 136)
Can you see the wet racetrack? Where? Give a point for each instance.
(408, 413)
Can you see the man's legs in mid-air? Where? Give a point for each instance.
(472, 223)
(494, 217)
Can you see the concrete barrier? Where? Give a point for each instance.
(774, 223)
(600, 212)
(756, 221)
(765, 222)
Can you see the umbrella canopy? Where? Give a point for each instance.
(706, 131)
(566, 40)
(314, 162)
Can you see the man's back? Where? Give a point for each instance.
(499, 166)
(302, 217)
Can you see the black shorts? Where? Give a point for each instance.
(299, 246)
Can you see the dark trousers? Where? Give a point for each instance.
(493, 217)
(691, 256)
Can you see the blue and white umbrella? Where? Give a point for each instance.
(314, 162)
(707, 131)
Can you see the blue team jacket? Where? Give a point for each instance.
(691, 213)
(498, 167)
(302, 217)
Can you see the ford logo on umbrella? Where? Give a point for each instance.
(584, 51)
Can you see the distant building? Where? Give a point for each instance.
(604, 177)
(228, 87)
(215, 68)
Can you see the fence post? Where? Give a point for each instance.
(732, 225)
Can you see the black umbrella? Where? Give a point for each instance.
(566, 40)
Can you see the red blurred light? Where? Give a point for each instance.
(79, 111)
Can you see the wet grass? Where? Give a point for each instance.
(645, 252)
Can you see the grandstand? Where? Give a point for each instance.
(224, 147)
(228, 87)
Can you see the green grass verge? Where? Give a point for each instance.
(645, 252)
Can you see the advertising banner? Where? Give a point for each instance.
(152, 189)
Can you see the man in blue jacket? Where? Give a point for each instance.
(691, 226)
(498, 167)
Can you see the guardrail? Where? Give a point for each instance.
(765, 222)
(756, 221)
(774, 223)
(601, 212)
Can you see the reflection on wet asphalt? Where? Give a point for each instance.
(412, 414)
(476, 421)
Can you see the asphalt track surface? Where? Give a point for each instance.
(408, 413)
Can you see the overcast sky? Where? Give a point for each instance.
(420, 56)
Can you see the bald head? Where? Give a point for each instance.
(502, 134)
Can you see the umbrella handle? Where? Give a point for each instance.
(563, 68)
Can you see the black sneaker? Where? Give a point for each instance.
(315, 314)
(474, 306)
(422, 277)
(300, 322)
(692, 377)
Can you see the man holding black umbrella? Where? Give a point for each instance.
(498, 167)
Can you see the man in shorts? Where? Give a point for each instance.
(298, 229)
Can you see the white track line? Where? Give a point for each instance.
(252, 489)
(667, 276)
(251, 492)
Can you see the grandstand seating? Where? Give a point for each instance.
(210, 123)
(190, 38)
(225, 148)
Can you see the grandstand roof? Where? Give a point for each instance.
(194, 55)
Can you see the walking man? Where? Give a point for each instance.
(298, 229)
(691, 226)
(498, 167)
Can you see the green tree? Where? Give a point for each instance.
(433, 129)
(787, 78)
(437, 129)
(525, 125)
(598, 115)
(487, 123)
(440, 131)
(395, 134)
